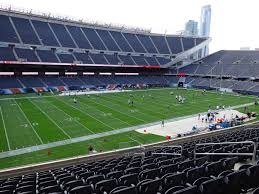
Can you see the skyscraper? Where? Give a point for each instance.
(205, 20)
(191, 28)
(205, 24)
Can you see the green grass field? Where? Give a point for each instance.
(27, 121)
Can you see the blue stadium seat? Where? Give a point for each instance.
(134, 42)
(47, 56)
(160, 43)
(71, 81)
(52, 81)
(27, 54)
(139, 60)
(98, 58)
(79, 37)
(108, 40)
(9, 82)
(163, 60)
(94, 38)
(174, 44)
(65, 57)
(126, 60)
(121, 41)
(152, 61)
(7, 33)
(62, 35)
(199, 40)
(84, 57)
(112, 59)
(147, 43)
(45, 33)
(188, 43)
(6, 54)
(31, 81)
(25, 31)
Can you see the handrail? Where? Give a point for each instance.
(169, 154)
(253, 154)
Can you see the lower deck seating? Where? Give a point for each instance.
(9, 82)
(153, 173)
(102, 80)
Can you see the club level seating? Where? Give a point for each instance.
(152, 173)
(53, 56)
(98, 58)
(91, 80)
(26, 54)
(47, 56)
(6, 54)
(66, 57)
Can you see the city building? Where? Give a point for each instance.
(191, 28)
(205, 21)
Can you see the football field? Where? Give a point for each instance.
(30, 121)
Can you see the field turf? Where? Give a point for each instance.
(28, 121)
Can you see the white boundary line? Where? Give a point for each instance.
(49, 118)
(6, 136)
(29, 122)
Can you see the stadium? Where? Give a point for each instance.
(88, 108)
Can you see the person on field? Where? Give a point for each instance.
(129, 102)
(91, 149)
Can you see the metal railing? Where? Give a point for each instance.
(169, 154)
(253, 154)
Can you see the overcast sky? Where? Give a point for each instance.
(234, 22)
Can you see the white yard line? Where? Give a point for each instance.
(6, 136)
(115, 111)
(87, 114)
(149, 110)
(126, 113)
(93, 136)
(71, 117)
(154, 102)
(29, 122)
(50, 118)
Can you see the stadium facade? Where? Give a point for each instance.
(46, 45)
